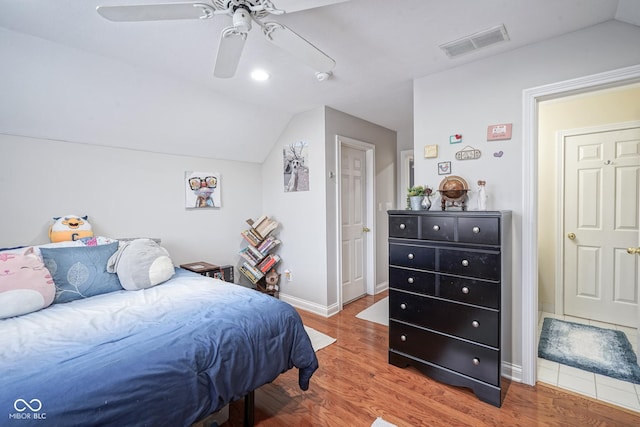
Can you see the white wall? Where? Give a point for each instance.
(469, 98)
(385, 142)
(301, 213)
(63, 93)
(125, 193)
(308, 218)
(132, 193)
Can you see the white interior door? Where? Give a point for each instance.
(602, 182)
(354, 227)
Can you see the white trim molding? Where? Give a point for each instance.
(529, 278)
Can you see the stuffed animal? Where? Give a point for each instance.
(272, 278)
(25, 284)
(70, 227)
(141, 264)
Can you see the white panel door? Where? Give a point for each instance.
(353, 205)
(602, 181)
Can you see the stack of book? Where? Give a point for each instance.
(252, 255)
(257, 260)
(268, 244)
(251, 272)
(252, 237)
(268, 262)
(263, 225)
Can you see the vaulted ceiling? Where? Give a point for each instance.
(69, 74)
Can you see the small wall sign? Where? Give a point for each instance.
(498, 132)
(455, 139)
(468, 153)
(430, 151)
(444, 168)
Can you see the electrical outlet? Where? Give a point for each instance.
(288, 275)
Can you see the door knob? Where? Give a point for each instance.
(571, 236)
(633, 251)
(366, 229)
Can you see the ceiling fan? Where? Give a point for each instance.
(232, 39)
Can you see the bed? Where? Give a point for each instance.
(168, 355)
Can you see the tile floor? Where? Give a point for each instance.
(597, 386)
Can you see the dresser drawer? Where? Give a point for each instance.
(478, 292)
(479, 230)
(464, 321)
(404, 226)
(465, 262)
(413, 256)
(476, 361)
(412, 280)
(439, 228)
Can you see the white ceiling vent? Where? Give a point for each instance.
(475, 41)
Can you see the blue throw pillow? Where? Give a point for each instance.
(81, 272)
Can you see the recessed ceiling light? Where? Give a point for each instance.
(259, 75)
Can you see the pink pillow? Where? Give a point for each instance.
(25, 284)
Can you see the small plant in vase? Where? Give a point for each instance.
(418, 197)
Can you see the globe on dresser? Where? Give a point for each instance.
(453, 192)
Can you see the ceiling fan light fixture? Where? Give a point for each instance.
(242, 20)
(260, 75)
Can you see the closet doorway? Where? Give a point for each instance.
(356, 219)
(532, 190)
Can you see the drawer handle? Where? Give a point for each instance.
(410, 256)
(403, 338)
(476, 361)
(436, 227)
(402, 226)
(403, 306)
(465, 290)
(465, 263)
(475, 324)
(410, 280)
(475, 230)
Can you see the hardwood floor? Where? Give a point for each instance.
(354, 385)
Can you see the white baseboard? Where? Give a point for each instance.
(326, 311)
(513, 372)
(381, 287)
(310, 306)
(547, 307)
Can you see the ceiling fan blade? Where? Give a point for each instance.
(288, 40)
(290, 6)
(229, 51)
(156, 12)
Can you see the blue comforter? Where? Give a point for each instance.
(164, 356)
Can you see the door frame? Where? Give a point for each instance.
(560, 146)
(529, 248)
(405, 176)
(370, 254)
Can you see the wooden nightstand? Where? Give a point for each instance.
(224, 272)
(201, 267)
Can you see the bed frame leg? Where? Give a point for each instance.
(249, 402)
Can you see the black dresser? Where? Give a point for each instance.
(450, 297)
